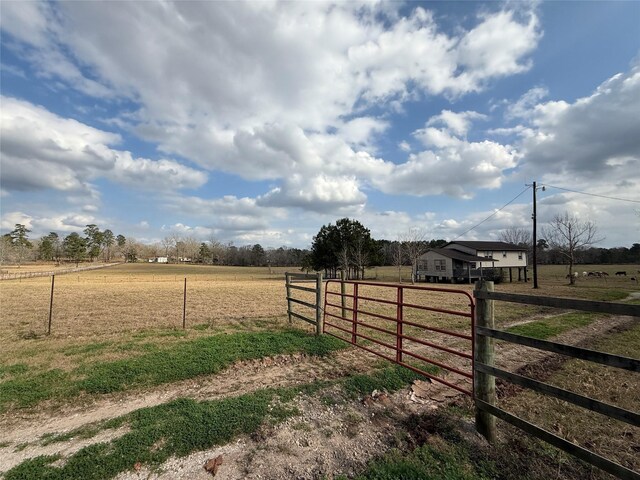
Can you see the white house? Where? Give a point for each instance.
(159, 260)
(471, 260)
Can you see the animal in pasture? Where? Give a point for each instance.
(584, 274)
(574, 275)
(621, 273)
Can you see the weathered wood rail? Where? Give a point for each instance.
(485, 372)
(315, 279)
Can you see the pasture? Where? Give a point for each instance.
(116, 303)
(119, 330)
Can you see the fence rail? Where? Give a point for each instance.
(485, 372)
(48, 273)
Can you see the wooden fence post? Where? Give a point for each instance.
(484, 384)
(53, 279)
(319, 320)
(287, 281)
(343, 292)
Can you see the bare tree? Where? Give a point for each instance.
(413, 241)
(517, 236)
(568, 234)
(343, 260)
(217, 249)
(167, 243)
(398, 258)
(360, 256)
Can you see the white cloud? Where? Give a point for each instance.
(41, 150)
(319, 193)
(404, 146)
(596, 137)
(269, 100)
(522, 107)
(42, 224)
(452, 166)
(457, 123)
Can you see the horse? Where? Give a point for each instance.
(621, 273)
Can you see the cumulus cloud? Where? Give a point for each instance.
(457, 123)
(42, 224)
(267, 90)
(41, 150)
(321, 192)
(596, 137)
(229, 213)
(452, 165)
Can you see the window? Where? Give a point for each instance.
(440, 265)
(519, 255)
(504, 254)
(472, 265)
(488, 254)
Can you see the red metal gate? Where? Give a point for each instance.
(397, 299)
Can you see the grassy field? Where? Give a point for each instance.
(131, 310)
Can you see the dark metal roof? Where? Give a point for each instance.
(492, 246)
(458, 255)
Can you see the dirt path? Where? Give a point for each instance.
(20, 432)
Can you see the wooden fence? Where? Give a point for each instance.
(292, 281)
(485, 372)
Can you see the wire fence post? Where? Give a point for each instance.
(184, 305)
(319, 323)
(53, 280)
(484, 384)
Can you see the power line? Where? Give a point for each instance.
(593, 194)
(494, 213)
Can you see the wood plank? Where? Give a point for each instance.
(306, 289)
(576, 450)
(612, 411)
(308, 320)
(566, 303)
(608, 359)
(302, 302)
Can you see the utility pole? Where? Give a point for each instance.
(535, 239)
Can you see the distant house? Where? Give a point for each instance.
(468, 261)
(159, 260)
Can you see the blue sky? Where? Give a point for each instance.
(258, 122)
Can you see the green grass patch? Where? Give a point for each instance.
(177, 428)
(201, 356)
(85, 349)
(610, 295)
(13, 370)
(391, 379)
(550, 327)
(441, 462)
(28, 391)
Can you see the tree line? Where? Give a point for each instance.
(345, 246)
(16, 246)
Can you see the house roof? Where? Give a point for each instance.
(481, 245)
(458, 255)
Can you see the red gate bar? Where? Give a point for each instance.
(398, 334)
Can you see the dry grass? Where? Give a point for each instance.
(608, 437)
(117, 303)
